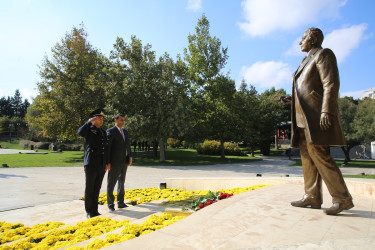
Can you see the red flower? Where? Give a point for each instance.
(201, 206)
(209, 202)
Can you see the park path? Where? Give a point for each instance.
(25, 187)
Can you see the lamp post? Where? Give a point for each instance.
(11, 125)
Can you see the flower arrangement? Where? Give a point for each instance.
(209, 199)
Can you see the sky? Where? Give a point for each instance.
(262, 36)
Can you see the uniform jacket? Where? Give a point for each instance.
(95, 144)
(118, 150)
(316, 83)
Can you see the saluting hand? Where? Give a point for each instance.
(93, 119)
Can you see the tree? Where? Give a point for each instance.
(13, 106)
(364, 121)
(247, 106)
(155, 92)
(272, 112)
(348, 110)
(212, 92)
(72, 85)
(6, 107)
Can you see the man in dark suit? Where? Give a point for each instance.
(316, 124)
(94, 160)
(119, 158)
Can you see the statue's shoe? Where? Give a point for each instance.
(337, 207)
(307, 201)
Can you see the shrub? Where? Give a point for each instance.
(26, 143)
(42, 145)
(67, 146)
(211, 147)
(173, 143)
(189, 144)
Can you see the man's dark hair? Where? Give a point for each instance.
(316, 36)
(118, 116)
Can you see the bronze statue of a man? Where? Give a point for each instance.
(316, 124)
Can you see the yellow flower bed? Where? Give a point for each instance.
(51, 235)
(144, 195)
(91, 228)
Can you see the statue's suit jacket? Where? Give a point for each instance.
(316, 85)
(118, 148)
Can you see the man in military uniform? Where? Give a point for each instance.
(95, 162)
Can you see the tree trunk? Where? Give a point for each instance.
(276, 140)
(252, 150)
(155, 149)
(162, 150)
(222, 152)
(346, 150)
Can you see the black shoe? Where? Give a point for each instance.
(111, 208)
(96, 213)
(90, 215)
(122, 205)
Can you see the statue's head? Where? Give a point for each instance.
(312, 38)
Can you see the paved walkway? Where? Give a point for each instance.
(25, 187)
(260, 219)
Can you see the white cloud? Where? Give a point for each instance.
(341, 41)
(345, 40)
(194, 5)
(266, 16)
(355, 94)
(264, 75)
(28, 94)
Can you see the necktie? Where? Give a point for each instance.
(122, 133)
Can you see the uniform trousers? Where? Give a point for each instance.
(94, 178)
(318, 164)
(117, 175)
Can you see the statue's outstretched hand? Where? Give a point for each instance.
(325, 121)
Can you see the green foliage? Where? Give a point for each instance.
(72, 86)
(15, 125)
(259, 116)
(157, 91)
(13, 106)
(210, 147)
(364, 121)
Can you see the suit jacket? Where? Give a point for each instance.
(119, 150)
(316, 84)
(95, 145)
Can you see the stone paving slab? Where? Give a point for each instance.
(264, 219)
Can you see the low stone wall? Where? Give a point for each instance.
(363, 187)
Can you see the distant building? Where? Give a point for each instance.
(369, 93)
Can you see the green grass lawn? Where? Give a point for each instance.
(11, 145)
(352, 164)
(175, 157)
(367, 176)
(186, 157)
(67, 158)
